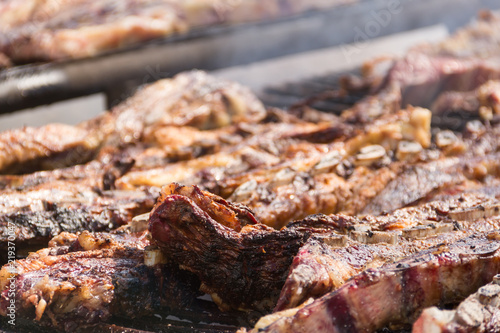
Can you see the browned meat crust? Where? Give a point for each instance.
(324, 263)
(189, 99)
(201, 236)
(374, 158)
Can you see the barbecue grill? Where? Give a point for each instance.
(217, 48)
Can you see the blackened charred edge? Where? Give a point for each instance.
(52, 222)
(248, 262)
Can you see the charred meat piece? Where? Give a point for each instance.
(426, 178)
(85, 279)
(251, 260)
(442, 76)
(395, 294)
(33, 230)
(207, 239)
(27, 149)
(76, 28)
(479, 313)
(231, 215)
(462, 62)
(453, 109)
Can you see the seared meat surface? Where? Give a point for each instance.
(396, 293)
(87, 278)
(191, 99)
(328, 250)
(251, 258)
(354, 221)
(324, 263)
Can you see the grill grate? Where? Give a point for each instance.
(324, 93)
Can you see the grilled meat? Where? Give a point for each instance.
(221, 234)
(324, 263)
(253, 259)
(37, 30)
(40, 205)
(423, 179)
(64, 144)
(454, 109)
(282, 178)
(317, 268)
(424, 190)
(462, 62)
(189, 99)
(87, 278)
(395, 294)
(31, 218)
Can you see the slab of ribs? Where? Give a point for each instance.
(385, 216)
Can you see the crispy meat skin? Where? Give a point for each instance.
(85, 279)
(396, 293)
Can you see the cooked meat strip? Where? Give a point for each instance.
(33, 230)
(461, 62)
(342, 246)
(423, 77)
(254, 259)
(189, 99)
(478, 313)
(37, 30)
(423, 179)
(33, 217)
(285, 171)
(395, 294)
(168, 144)
(87, 278)
(65, 144)
(431, 75)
